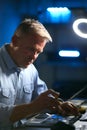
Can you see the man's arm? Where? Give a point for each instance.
(43, 102)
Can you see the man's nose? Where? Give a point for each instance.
(35, 55)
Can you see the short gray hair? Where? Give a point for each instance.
(33, 26)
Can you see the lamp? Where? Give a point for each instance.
(69, 53)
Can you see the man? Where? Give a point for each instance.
(22, 92)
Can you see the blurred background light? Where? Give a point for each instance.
(69, 53)
(61, 14)
(57, 15)
(76, 27)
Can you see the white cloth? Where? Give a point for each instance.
(17, 85)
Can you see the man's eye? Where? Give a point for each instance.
(38, 52)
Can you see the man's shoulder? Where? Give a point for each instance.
(2, 49)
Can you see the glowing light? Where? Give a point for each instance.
(61, 14)
(69, 53)
(76, 28)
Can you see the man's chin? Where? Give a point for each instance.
(26, 65)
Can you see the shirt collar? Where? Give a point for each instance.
(8, 60)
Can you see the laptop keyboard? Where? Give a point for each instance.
(48, 119)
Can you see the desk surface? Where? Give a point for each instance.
(80, 125)
(31, 128)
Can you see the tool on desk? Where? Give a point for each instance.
(78, 92)
(58, 99)
(51, 121)
(79, 102)
(83, 117)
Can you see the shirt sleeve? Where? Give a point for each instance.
(39, 85)
(5, 112)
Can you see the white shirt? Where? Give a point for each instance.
(17, 86)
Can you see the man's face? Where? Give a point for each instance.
(28, 48)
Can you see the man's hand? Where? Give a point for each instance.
(50, 101)
(69, 109)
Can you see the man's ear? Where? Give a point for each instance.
(15, 40)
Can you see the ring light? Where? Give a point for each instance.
(76, 28)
